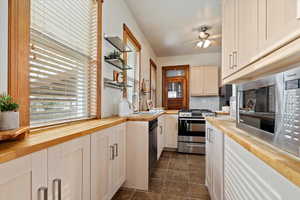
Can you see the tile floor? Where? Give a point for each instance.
(177, 177)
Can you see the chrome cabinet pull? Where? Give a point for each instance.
(58, 181)
(112, 152)
(230, 61)
(161, 130)
(234, 59)
(43, 192)
(116, 150)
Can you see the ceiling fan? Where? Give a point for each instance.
(205, 40)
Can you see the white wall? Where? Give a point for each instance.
(115, 13)
(3, 45)
(210, 59)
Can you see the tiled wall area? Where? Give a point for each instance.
(211, 103)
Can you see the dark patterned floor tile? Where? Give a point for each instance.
(178, 175)
(146, 196)
(198, 191)
(123, 194)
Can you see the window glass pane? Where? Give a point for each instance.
(62, 61)
(175, 90)
(133, 76)
(174, 73)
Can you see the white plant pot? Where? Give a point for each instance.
(9, 120)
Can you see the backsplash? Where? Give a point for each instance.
(211, 103)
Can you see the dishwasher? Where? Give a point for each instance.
(152, 145)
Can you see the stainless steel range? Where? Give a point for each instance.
(191, 130)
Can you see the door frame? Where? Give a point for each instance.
(186, 68)
(152, 64)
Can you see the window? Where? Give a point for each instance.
(132, 75)
(63, 61)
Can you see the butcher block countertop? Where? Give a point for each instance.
(41, 139)
(287, 165)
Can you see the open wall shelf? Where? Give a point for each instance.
(114, 84)
(118, 44)
(118, 62)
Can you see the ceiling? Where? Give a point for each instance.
(169, 24)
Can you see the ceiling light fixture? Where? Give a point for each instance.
(204, 44)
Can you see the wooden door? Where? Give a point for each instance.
(247, 27)
(210, 81)
(100, 158)
(175, 87)
(24, 178)
(69, 170)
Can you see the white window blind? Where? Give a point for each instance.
(63, 61)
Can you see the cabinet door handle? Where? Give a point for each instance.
(43, 192)
(234, 59)
(112, 152)
(230, 61)
(161, 130)
(58, 181)
(116, 149)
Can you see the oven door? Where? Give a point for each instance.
(191, 127)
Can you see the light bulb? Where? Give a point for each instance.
(206, 43)
(200, 44)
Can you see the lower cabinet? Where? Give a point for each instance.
(69, 170)
(160, 136)
(247, 177)
(108, 162)
(58, 173)
(91, 167)
(171, 131)
(24, 178)
(214, 162)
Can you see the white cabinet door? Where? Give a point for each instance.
(108, 159)
(160, 136)
(100, 160)
(24, 178)
(171, 131)
(120, 153)
(247, 29)
(69, 170)
(247, 177)
(214, 162)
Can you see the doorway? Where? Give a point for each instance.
(175, 87)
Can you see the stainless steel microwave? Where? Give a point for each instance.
(270, 109)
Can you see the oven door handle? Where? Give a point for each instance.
(190, 119)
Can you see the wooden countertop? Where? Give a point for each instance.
(287, 165)
(45, 138)
(222, 113)
(171, 112)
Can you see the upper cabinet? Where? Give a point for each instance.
(229, 47)
(204, 81)
(279, 23)
(257, 35)
(247, 34)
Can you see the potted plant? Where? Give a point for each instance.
(9, 115)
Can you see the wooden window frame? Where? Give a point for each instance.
(152, 63)
(129, 36)
(187, 76)
(18, 57)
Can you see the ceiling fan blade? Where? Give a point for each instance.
(191, 42)
(213, 37)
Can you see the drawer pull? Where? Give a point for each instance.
(58, 181)
(43, 192)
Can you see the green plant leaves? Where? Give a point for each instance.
(7, 103)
